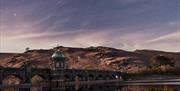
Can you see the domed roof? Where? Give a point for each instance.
(58, 56)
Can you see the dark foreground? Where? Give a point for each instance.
(170, 86)
(106, 87)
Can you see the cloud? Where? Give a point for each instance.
(130, 1)
(168, 42)
(125, 24)
(85, 38)
(41, 35)
(79, 38)
(168, 37)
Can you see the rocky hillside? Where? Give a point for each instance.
(103, 58)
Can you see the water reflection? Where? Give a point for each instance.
(103, 87)
(151, 88)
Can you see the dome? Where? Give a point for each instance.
(58, 56)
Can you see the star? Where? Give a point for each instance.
(14, 14)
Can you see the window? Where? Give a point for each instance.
(62, 64)
(57, 64)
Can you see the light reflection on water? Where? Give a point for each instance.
(106, 87)
(151, 88)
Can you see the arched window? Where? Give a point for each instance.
(57, 64)
(62, 64)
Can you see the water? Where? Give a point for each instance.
(125, 88)
(152, 88)
(107, 87)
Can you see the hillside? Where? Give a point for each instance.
(103, 58)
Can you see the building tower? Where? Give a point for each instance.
(57, 68)
(58, 60)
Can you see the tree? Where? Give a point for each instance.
(161, 60)
(27, 49)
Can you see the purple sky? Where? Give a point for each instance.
(123, 24)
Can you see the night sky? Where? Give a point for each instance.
(122, 24)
